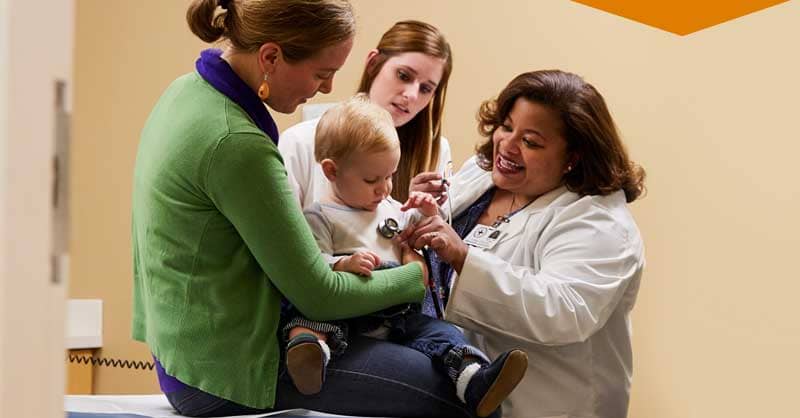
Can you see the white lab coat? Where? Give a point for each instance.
(560, 284)
(305, 174)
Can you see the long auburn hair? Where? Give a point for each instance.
(420, 138)
(602, 165)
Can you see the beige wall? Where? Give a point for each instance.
(711, 117)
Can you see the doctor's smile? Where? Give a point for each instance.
(508, 167)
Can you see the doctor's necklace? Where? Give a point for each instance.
(506, 218)
(486, 237)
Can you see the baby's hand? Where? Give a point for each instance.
(423, 201)
(429, 182)
(408, 255)
(361, 262)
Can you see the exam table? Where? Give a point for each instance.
(150, 406)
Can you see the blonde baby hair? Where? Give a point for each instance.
(354, 126)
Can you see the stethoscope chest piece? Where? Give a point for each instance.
(388, 228)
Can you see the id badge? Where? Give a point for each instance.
(483, 236)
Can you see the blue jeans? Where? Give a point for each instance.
(442, 342)
(371, 378)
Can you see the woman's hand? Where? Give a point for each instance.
(440, 237)
(361, 262)
(409, 255)
(422, 201)
(429, 182)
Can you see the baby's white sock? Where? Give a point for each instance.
(464, 378)
(325, 350)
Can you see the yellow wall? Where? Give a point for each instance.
(711, 117)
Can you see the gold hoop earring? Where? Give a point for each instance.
(263, 89)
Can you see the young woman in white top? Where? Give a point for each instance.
(407, 75)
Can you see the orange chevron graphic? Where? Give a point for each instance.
(681, 17)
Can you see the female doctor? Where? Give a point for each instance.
(546, 254)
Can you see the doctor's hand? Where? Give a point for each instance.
(429, 182)
(440, 237)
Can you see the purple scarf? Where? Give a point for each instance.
(220, 75)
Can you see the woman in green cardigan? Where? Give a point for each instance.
(218, 237)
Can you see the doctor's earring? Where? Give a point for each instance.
(263, 89)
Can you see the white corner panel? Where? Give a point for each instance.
(84, 323)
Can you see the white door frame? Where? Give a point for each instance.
(36, 48)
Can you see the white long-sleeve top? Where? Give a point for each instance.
(341, 230)
(296, 146)
(560, 284)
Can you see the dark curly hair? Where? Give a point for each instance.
(602, 165)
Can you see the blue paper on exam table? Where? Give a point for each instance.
(153, 406)
(102, 415)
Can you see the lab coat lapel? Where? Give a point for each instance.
(466, 193)
(519, 220)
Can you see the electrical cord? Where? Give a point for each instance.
(111, 362)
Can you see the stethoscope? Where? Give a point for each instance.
(389, 228)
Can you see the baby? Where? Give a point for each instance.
(358, 149)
